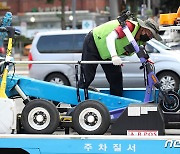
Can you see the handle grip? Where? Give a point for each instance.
(3, 29)
(17, 31)
(9, 29)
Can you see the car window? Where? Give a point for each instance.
(61, 43)
(78, 41)
(151, 49)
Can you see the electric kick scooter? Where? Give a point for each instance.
(169, 100)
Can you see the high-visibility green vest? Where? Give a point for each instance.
(102, 31)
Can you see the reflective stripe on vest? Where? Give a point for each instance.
(101, 32)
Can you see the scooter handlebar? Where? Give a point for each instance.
(7, 29)
(17, 32)
(3, 29)
(123, 17)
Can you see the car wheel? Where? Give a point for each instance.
(169, 81)
(57, 78)
(174, 104)
(91, 118)
(40, 117)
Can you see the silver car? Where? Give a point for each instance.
(67, 46)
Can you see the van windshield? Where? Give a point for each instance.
(68, 43)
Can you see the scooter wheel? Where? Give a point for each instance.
(91, 117)
(40, 117)
(174, 106)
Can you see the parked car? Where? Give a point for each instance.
(174, 45)
(67, 46)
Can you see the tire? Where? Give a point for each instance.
(57, 78)
(174, 106)
(99, 122)
(40, 117)
(169, 81)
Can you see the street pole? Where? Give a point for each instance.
(113, 9)
(149, 4)
(63, 24)
(74, 14)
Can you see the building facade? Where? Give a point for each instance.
(22, 6)
(32, 16)
(38, 15)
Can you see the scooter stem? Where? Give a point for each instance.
(3, 84)
(5, 73)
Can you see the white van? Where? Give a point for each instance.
(63, 45)
(66, 45)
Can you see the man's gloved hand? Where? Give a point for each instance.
(116, 60)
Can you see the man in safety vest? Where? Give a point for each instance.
(107, 42)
